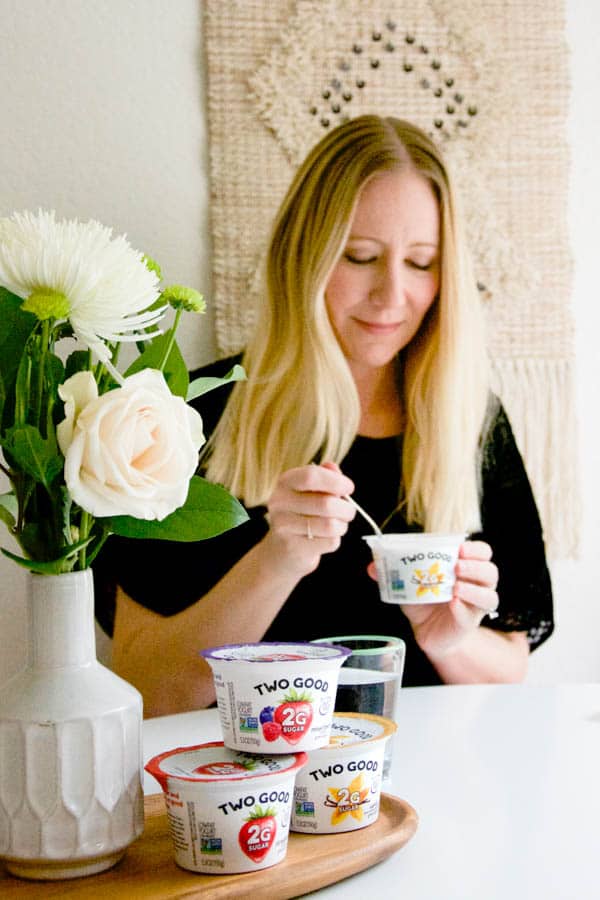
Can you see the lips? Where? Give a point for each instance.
(380, 328)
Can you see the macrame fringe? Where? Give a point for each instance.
(539, 398)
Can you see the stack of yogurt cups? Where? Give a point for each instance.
(286, 762)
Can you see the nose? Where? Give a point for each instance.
(389, 288)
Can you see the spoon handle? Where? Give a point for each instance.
(364, 514)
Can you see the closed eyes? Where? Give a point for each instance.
(359, 260)
(426, 267)
(367, 260)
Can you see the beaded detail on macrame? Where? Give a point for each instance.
(335, 105)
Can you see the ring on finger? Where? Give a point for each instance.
(309, 533)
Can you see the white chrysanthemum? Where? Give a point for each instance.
(104, 281)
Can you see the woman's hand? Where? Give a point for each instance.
(308, 516)
(443, 627)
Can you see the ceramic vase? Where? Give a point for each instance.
(71, 796)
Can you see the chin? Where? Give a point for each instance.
(373, 361)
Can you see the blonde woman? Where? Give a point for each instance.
(367, 375)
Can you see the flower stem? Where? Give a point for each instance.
(98, 546)
(84, 530)
(39, 395)
(169, 346)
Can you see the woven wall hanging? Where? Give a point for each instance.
(488, 79)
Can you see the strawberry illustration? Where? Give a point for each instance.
(295, 715)
(224, 768)
(258, 833)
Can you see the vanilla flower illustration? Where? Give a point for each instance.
(348, 801)
(79, 272)
(431, 580)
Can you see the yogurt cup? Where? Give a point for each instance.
(340, 786)
(275, 698)
(228, 812)
(415, 567)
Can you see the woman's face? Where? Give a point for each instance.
(388, 274)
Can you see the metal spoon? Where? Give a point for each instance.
(360, 510)
(364, 514)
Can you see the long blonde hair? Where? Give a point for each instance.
(300, 403)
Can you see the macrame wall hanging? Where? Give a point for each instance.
(488, 79)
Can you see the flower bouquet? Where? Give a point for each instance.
(88, 452)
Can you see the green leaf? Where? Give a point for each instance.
(54, 375)
(78, 361)
(54, 372)
(207, 383)
(53, 567)
(174, 370)
(15, 327)
(23, 378)
(8, 509)
(208, 511)
(40, 568)
(2, 397)
(33, 454)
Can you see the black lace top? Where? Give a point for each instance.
(339, 597)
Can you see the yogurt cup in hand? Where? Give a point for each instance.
(415, 567)
(275, 697)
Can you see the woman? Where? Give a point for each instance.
(368, 359)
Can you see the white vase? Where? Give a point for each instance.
(71, 796)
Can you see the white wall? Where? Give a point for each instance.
(103, 116)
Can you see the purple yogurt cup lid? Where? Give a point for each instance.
(275, 652)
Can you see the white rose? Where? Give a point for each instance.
(131, 451)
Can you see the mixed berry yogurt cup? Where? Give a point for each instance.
(339, 788)
(276, 697)
(228, 812)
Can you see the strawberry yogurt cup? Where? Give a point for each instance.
(275, 697)
(228, 812)
(340, 786)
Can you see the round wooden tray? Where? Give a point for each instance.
(148, 868)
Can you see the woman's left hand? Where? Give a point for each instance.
(442, 627)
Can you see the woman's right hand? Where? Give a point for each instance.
(308, 516)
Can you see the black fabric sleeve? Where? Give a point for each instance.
(511, 525)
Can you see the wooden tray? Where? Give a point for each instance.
(148, 868)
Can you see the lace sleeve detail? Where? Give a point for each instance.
(511, 525)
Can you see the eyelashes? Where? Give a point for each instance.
(358, 261)
(366, 261)
(421, 268)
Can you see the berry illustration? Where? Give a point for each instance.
(258, 833)
(266, 714)
(271, 731)
(295, 715)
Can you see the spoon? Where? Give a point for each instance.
(364, 514)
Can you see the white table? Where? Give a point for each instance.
(505, 780)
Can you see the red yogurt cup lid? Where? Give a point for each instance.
(214, 763)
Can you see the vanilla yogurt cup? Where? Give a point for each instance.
(415, 567)
(339, 788)
(228, 812)
(275, 697)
